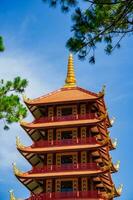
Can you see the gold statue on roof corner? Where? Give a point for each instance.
(70, 79)
(117, 165)
(18, 143)
(16, 171)
(115, 141)
(112, 120)
(12, 197)
(119, 189)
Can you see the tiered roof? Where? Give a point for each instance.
(70, 93)
(64, 95)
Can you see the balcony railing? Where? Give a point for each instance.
(65, 168)
(66, 118)
(67, 195)
(64, 142)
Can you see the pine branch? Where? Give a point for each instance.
(105, 2)
(11, 108)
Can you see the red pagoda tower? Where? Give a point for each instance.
(70, 151)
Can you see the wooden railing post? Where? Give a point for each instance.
(77, 193)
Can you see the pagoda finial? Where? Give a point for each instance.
(12, 197)
(70, 79)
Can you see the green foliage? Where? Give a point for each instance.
(103, 21)
(11, 108)
(65, 4)
(1, 44)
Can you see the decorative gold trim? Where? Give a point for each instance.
(117, 165)
(25, 98)
(18, 143)
(22, 122)
(113, 192)
(16, 171)
(115, 142)
(112, 120)
(12, 197)
(70, 79)
(119, 189)
(102, 93)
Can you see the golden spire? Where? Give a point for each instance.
(70, 79)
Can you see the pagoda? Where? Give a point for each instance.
(71, 144)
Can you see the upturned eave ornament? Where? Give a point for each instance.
(102, 92)
(115, 142)
(112, 121)
(18, 143)
(12, 197)
(16, 171)
(119, 189)
(117, 165)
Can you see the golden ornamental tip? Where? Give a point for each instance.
(18, 143)
(22, 122)
(112, 120)
(117, 165)
(102, 92)
(119, 189)
(12, 197)
(70, 79)
(103, 89)
(115, 142)
(16, 170)
(24, 97)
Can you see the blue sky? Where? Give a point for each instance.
(35, 37)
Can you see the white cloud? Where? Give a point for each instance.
(20, 63)
(24, 65)
(12, 65)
